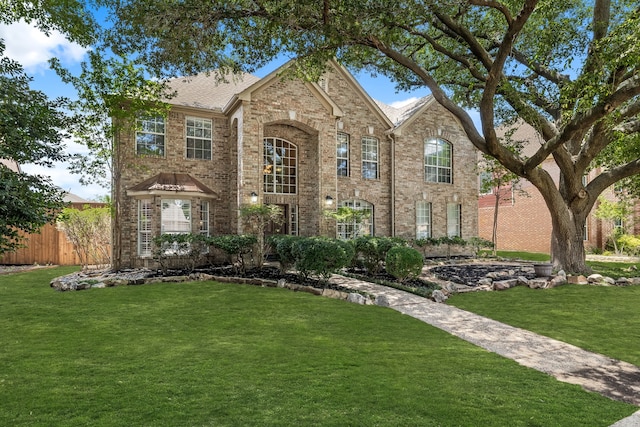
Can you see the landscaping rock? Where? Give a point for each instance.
(382, 301)
(577, 280)
(439, 296)
(485, 281)
(537, 283)
(609, 281)
(623, 281)
(357, 298)
(557, 281)
(522, 281)
(595, 278)
(502, 285)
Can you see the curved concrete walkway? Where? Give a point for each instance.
(594, 372)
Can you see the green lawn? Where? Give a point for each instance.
(601, 319)
(210, 354)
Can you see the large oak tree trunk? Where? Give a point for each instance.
(567, 244)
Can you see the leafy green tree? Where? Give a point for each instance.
(256, 218)
(569, 69)
(31, 125)
(353, 218)
(30, 132)
(495, 177)
(112, 93)
(614, 211)
(89, 230)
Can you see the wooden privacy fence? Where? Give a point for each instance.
(48, 247)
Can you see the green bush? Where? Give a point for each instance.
(235, 246)
(184, 250)
(373, 250)
(286, 248)
(425, 243)
(478, 243)
(322, 256)
(404, 263)
(628, 243)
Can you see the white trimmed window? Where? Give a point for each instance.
(279, 166)
(150, 136)
(454, 219)
(198, 138)
(352, 229)
(176, 216)
(204, 218)
(342, 154)
(437, 161)
(423, 220)
(144, 227)
(294, 220)
(369, 157)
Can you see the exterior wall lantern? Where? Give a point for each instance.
(254, 198)
(328, 201)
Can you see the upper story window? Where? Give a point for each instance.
(437, 160)
(279, 166)
(486, 183)
(342, 154)
(198, 138)
(369, 157)
(150, 136)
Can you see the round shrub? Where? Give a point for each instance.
(322, 256)
(403, 263)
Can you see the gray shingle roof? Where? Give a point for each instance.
(207, 91)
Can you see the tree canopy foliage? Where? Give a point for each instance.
(32, 127)
(29, 133)
(568, 69)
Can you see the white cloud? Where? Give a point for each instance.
(33, 48)
(403, 103)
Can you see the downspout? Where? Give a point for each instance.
(393, 184)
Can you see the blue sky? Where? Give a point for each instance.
(32, 48)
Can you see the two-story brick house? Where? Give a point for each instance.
(304, 146)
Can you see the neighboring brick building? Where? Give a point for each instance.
(524, 221)
(301, 146)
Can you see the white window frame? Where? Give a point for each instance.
(370, 157)
(204, 218)
(454, 220)
(150, 136)
(144, 227)
(347, 230)
(294, 220)
(342, 140)
(279, 166)
(438, 167)
(198, 138)
(423, 219)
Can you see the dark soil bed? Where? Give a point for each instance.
(469, 275)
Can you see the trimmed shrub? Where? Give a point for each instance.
(236, 247)
(322, 256)
(184, 250)
(404, 263)
(373, 250)
(286, 247)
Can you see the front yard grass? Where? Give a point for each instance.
(600, 319)
(220, 354)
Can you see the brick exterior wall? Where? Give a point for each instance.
(302, 115)
(524, 221)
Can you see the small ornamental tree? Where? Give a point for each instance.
(89, 230)
(256, 218)
(615, 212)
(354, 218)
